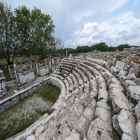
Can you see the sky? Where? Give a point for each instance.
(86, 22)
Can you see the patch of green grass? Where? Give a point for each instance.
(14, 119)
(49, 93)
(15, 126)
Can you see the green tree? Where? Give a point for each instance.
(7, 38)
(122, 46)
(24, 31)
(101, 47)
(35, 30)
(41, 31)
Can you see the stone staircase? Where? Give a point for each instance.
(93, 105)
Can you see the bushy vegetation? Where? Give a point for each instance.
(22, 115)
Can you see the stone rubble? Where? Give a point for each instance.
(93, 104)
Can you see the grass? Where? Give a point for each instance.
(49, 93)
(20, 116)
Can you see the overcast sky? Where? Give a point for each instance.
(81, 22)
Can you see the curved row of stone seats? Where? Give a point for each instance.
(80, 72)
(76, 74)
(82, 120)
(85, 75)
(125, 117)
(65, 81)
(65, 74)
(89, 84)
(89, 75)
(131, 122)
(126, 74)
(70, 79)
(102, 112)
(132, 90)
(129, 115)
(60, 77)
(75, 77)
(89, 94)
(69, 92)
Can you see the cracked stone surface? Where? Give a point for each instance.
(92, 104)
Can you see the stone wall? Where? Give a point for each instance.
(43, 71)
(27, 77)
(20, 95)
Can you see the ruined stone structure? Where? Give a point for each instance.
(98, 101)
(2, 84)
(19, 95)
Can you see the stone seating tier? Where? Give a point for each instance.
(92, 106)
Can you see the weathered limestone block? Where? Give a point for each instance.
(39, 130)
(116, 125)
(103, 111)
(32, 137)
(127, 125)
(74, 136)
(137, 81)
(117, 95)
(24, 78)
(120, 65)
(99, 61)
(138, 130)
(129, 83)
(119, 101)
(134, 92)
(89, 113)
(99, 129)
(127, 137)
(43, 71)
(137, 111)
(2, 84)
(119, 68)
(131, 76)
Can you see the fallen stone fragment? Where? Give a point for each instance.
(138, 130)
(134, 92)
(73, 136)
(127, 125)
(137, 111)
(116, 125)
(32, 137)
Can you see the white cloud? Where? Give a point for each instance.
(70, 15)
(122, 29)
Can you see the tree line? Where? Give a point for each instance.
(24, 32)
(101, 47)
